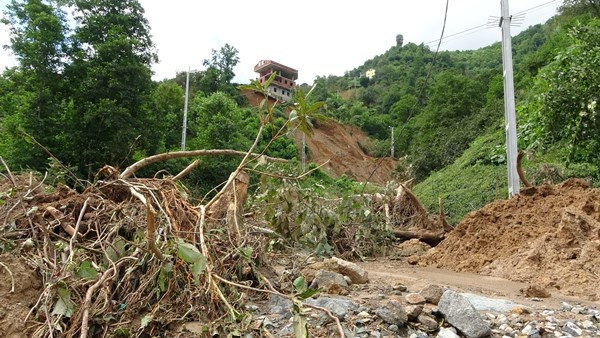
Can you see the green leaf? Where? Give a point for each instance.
(117, 249)
(86, 271)
(64, 306)
(147, 319)
(189, 253)
(247, 252)
(300, 284)
(307, 294)
(164, 275)
(198, 268)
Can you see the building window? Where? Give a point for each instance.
(274, 90)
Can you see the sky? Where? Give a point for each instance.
(316, 37)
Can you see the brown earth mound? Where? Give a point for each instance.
(20, 288)
(340, 145)
(548, 236)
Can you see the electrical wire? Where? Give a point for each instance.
(378, 164)
(480, 28)
(439, 41)
(536, 8)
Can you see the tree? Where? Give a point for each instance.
(220, 67)
(580, 7)
(217, 121)
(167, 102)
(399, 40)
(34, 101)
(110, 78)
(567, 108)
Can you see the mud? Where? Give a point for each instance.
(548, 236)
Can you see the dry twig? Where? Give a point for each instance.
(12, 279)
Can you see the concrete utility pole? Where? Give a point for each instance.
(185, 109)
(509, 102)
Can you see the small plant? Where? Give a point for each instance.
(301, 291)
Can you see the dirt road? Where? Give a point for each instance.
(392, 272)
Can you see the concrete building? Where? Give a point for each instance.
(284, 82)
(370, 73)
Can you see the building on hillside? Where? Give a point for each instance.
(284, 82)
(370, 73)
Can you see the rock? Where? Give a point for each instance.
(338, 306)
(462, 315)
(415, 299)
(357, 274)
(530, 331)
(195, 327)
(400, 287)
(412, 247)
(427, 321)
(281, 306)
(481, 303)
(572, 329)
(330, 281)
(447, 333)
(432, 293)
(535, 291)
(392, 313)
(418, 334)
(413, 311)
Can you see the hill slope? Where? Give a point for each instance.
(340, 145)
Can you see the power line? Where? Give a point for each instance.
(517, 18)
(455, 34)
(378, 164)
(538, 7)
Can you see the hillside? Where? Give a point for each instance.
(340, 146)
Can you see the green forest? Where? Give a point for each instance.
(82, 96)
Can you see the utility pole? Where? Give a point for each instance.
(509, 102)
(185, 110)
(392, 146)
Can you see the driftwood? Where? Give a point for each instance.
(520, 170)
(132, 169)
(430, 238)
(229, 205)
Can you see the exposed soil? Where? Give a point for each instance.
(548, 236)
(341, 146)
(15, 305)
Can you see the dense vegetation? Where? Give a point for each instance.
(448, 115)
(82, 93)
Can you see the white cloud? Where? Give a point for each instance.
(318, 38)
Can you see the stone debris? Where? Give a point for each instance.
(455, 315)
(462, 315)
(432, 293)
(415, 299)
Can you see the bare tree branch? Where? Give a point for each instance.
(132, 169)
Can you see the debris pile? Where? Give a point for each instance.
(126, 255)
(548, 236)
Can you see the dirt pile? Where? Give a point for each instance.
(341, 146)
(547, 236)
(20, 288)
